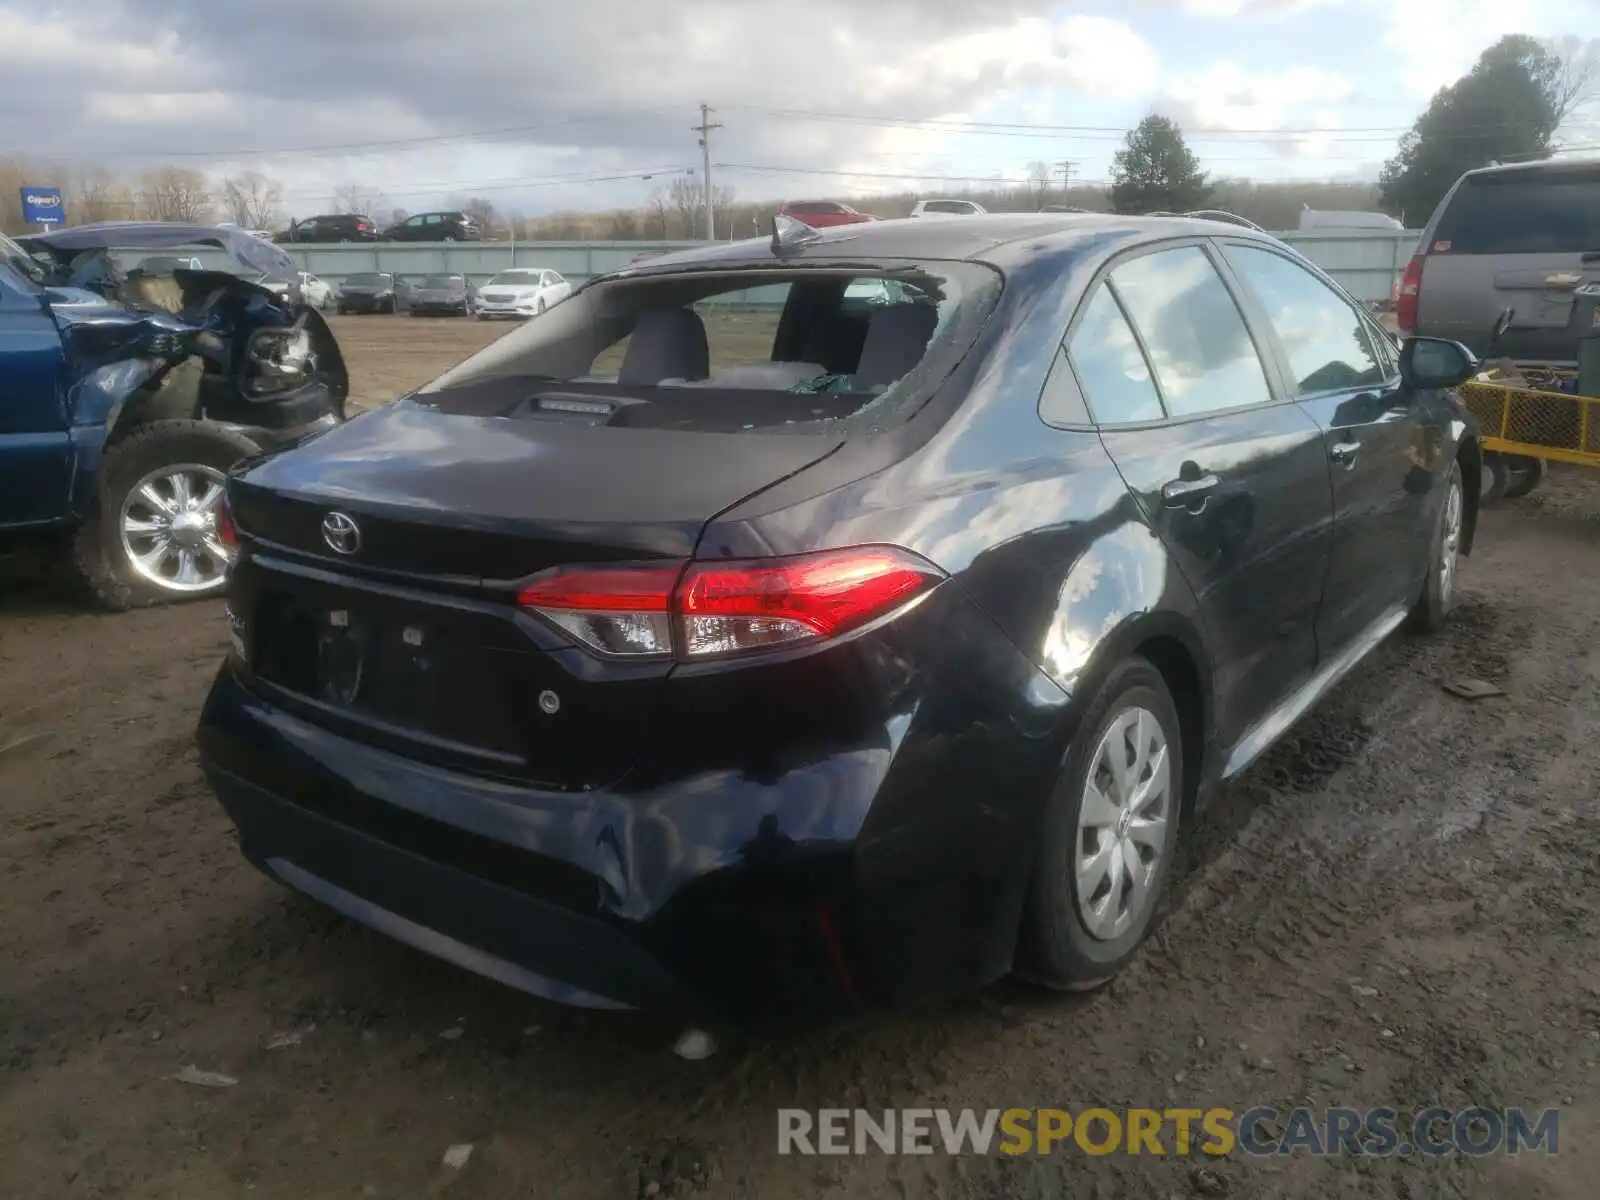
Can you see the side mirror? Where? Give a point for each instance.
(1429, 363)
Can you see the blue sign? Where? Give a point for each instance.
(43, 206)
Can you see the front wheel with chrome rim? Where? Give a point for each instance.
(1441, 582)
(1109, 835)
(156, 535)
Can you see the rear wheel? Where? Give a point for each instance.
(1438, 599)
(1108, 835)
(154, 537)
(1495, 478)
(1526, 474)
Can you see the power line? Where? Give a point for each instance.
(1370, 133)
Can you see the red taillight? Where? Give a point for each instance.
(1408, 295)
(708, 609)
(227, 532)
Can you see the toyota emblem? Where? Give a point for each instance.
(341, 533)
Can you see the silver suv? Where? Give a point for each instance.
(1523, 238)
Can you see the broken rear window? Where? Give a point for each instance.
(731, 350)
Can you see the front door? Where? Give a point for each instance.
(1230, 475)
(1348, 380)
(35, 450)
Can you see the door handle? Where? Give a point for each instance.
(1180, 493)
(1344, 452)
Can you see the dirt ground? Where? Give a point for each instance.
(1397, 907)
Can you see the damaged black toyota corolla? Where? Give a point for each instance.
(131, 379)
(786, 629)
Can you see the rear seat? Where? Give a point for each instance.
(772, 376)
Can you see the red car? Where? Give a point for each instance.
(819, 214)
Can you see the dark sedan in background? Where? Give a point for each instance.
(633, 669)
(376, 292)
(443, 295)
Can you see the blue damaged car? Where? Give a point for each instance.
(129, 386)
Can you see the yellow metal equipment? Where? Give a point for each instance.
(1519, 418)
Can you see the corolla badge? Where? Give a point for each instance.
(341, 533)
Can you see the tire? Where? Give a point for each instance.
(100, 556)
(1494, 480)
(538, 310)
(391, 306)
(1059, 947)
(1439, 587)
(341, 310)
(1526, 474)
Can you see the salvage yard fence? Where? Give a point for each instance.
(1367, 262)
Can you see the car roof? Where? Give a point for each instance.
(1000, 239)
(1540, 166)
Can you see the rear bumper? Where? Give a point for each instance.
(650, 902)
(766, 880)
(441, 910)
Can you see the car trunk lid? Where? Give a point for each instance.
(409, 635)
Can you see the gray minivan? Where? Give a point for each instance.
(1520, 237)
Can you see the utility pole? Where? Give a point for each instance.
(704, 130)
(1065, 166)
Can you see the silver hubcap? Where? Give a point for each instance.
(1122, 824)
(169, 528)
(1450, 541)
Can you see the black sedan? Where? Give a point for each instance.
(444, 295)
(374, 292)
(759, 683)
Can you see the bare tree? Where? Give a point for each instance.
(687, 198)
(624, 226)
(481, 211)
(655, 219)
(176, 194)
(723, 212)
(252, 200)
(1576, 88)
(397, 215)
(358, 199)
(1038, 183)
(95, 194)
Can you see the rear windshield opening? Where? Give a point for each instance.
(730, 351)
(516, 276)
(367, 280)
(1523, 212)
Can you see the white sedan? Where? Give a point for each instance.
(521, 292)
(317, 293)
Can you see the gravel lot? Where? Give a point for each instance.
(1397, 907)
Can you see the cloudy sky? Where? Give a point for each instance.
(546, 104)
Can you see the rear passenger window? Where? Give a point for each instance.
(1199, 344)
(1110, 366)
(1326, 340)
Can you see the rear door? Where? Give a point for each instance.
(1521, 239)
(1230, 473)
(1345, 375)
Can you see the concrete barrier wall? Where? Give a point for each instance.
(1366, 262)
